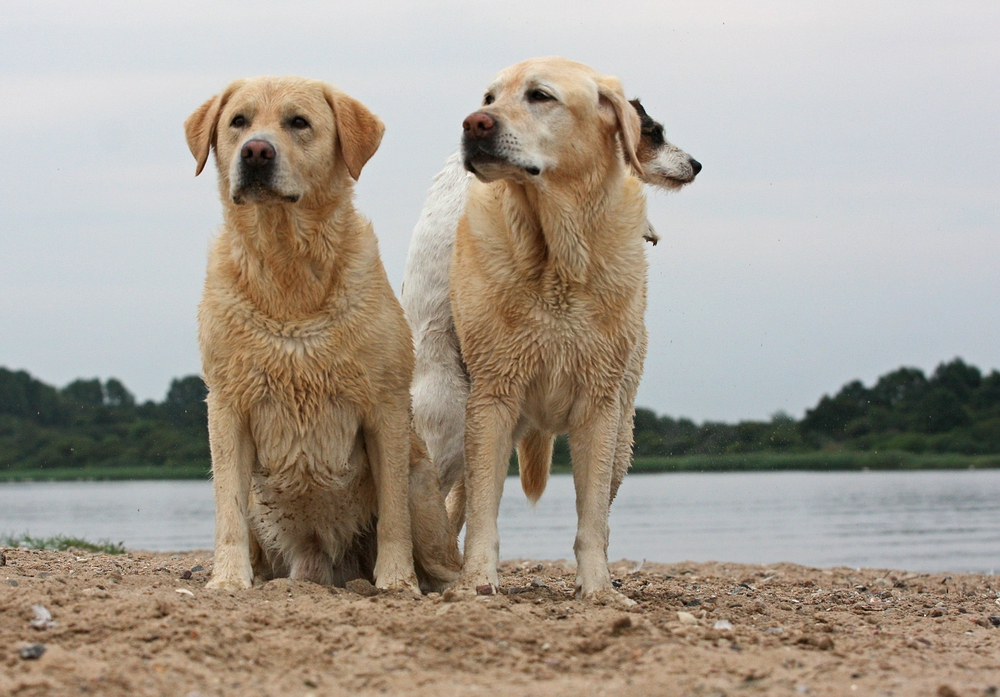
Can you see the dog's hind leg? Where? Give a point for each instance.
(440, 391)
(437, 560)
(626, 435)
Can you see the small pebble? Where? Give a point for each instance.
(12, 582)
(3, 559)
(485, 589)
(457, 595)
(537, 582)
(362, 587)
(32, 652)
(723, 626)
(43, 618)
(195, 569)
(686, 618)
(185, 576)
(621, 625)
(184, 591)
(994, 620)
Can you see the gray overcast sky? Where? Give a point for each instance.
(846, 221)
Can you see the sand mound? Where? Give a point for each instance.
(143, 624)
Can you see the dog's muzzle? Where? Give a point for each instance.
(256, 171)
(479, 138)
(482, 144)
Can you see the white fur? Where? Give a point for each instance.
(440, 385)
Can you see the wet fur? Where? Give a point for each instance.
(317, 472)
(441, 383)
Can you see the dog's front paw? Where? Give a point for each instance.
(230, 582)
(605, 596)
(396, 576)
(483, 583)
(406, 585)
(231, 570)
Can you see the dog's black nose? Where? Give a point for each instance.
(695, 165)
(478, 125)
(257, 153)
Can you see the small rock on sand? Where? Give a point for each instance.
(723, 626)
(32, 652)
(686, 618)
(43, 618)
(3, 559)
(362, 587)
(457, 595)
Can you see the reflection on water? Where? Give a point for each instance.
(920, 521)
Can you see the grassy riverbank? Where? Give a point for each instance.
(744, 462)
(61, 543)
(814, 462)
(111, 473)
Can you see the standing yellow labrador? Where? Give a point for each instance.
(307, 355)
(548, 287)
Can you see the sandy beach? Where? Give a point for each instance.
(143, 624)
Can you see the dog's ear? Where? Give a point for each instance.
(612, 97)
(359, 131)
(200, 127)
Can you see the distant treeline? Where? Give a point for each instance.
(98, 426)
(955, 410)
(90, 424)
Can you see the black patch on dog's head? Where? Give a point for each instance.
(652, 130)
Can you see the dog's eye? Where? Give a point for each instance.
(540, 96)
(488, 99)
(239, 121)
(299, 123)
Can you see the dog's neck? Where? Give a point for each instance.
(557, 226)
(289, 258)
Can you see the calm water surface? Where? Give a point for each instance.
(920, 521)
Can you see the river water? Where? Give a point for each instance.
(918, 521)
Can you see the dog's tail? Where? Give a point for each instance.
(534, 460)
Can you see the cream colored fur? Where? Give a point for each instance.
(440, 386)
(307, 356)
(548, 290)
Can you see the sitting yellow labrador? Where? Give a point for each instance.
(307, 355)
(548, 289)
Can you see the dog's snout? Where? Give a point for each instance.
(257, 153)
(695, 165)
(478, 125)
